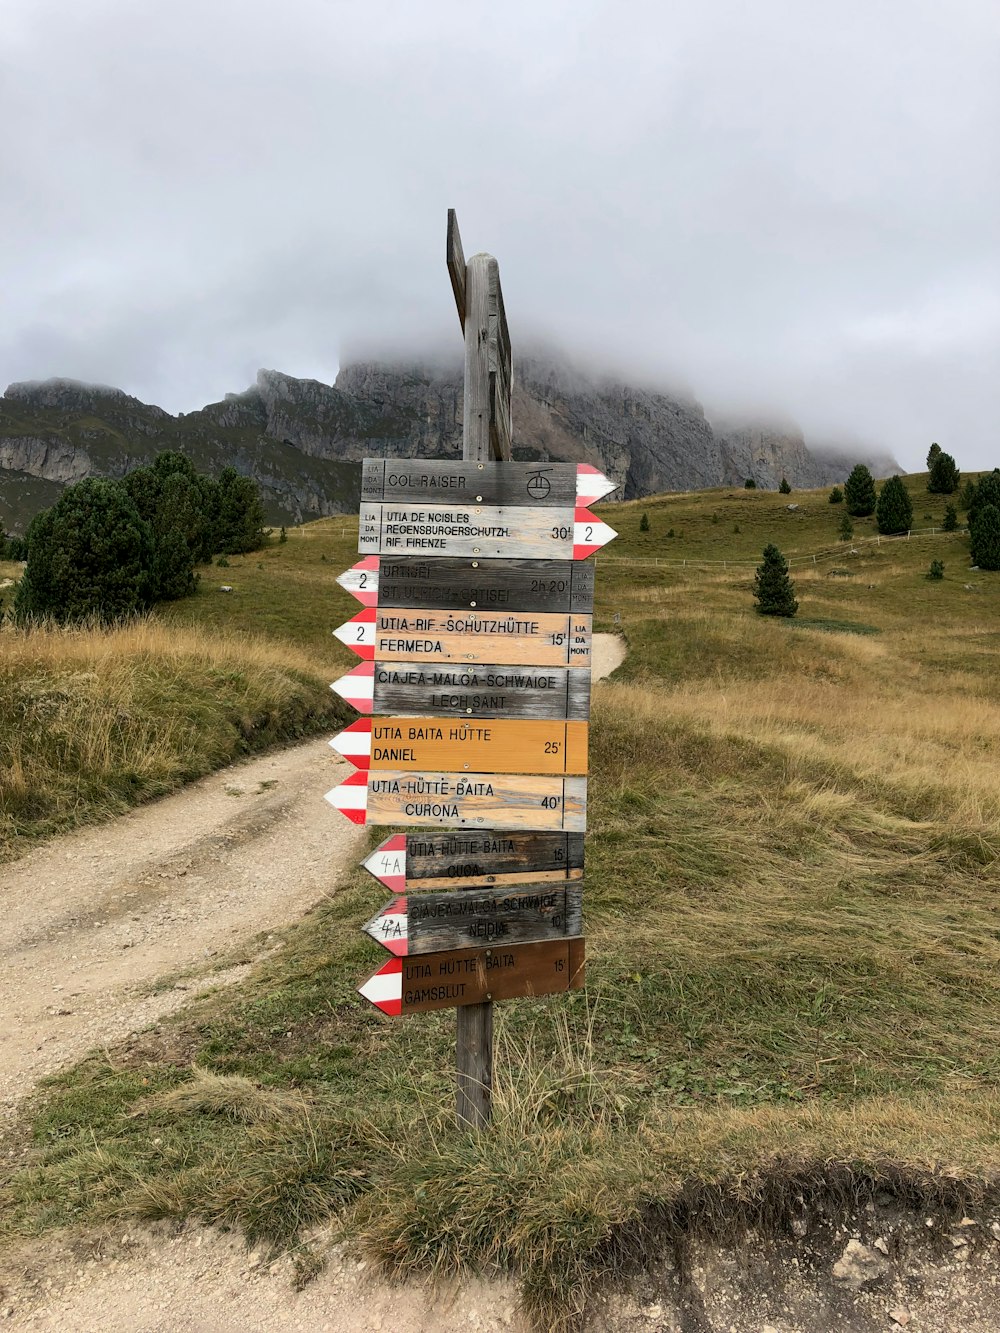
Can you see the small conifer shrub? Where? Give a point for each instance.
(784, 487)
(773, 590)
(950, 519)
(670, 533)
(836, 496)
(984, 531)
(944, 476)
(283, 535)
(933, 453)
(749, 484)
(859, 492)
(936, 570)
(643, 523)
(894, 511)
(846, 529)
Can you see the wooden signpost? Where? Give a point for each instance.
(409, 583)
(429, 922)
(474, 976)
(414, 744)
(474, 800)
(407, 862)
(467, 691)
(505, 638)
(475, 640)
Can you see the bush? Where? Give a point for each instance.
(986, 492)
(643, 523)
(846, 529)
(968, 496)
(773, 590)
(859, 492)
(984, 531)
(283, 535)
(894, 511)
(950, 519)
(749, 484)
(936, 570)
(836, 496)
(670, 533)
(944, 476)
(89, 557)
(784, 487)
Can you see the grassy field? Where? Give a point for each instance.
(792, 920)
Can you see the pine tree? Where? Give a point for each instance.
(986, 492)
(643, 523)
(784, 487)
(749, 484)
(968, 496)
(944, 475)
(240, 521)
(90, 555)
(859, 492)
(894, 511)
(846, 528)
(773, 590)
(950, 519)
(984, 531)
(933, 453)
(836, 496)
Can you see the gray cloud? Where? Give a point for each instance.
(792, 208)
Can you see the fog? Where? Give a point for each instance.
(791, 209)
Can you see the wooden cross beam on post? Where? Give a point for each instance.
(486, 427)
(485, 434)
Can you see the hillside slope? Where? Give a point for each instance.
(302, 440)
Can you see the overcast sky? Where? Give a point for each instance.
(791, 206)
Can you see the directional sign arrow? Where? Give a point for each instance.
(359, 633)
(433, 922)
(438, 861)
(455, 800)
(502, 745)
(470, 976)
(493, 691)
(361, 580)
(507, 484)
(464, 584)
(489, 532)
(472, 636)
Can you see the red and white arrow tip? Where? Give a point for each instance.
(388, 863)
(592, 485)
(359, 633)
(361, 580)
(358, 687)
(589, 534)
(355, 742)
(351, 797)
(385, 989)
(389, 928)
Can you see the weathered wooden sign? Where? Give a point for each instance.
(470, 976)
(453, 799)
(517, 638)
(529, 485)
(408, 862)
(470, 745)
(473, 691)
(488, 531)
(408, 582)
(423, 923)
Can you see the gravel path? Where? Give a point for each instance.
(98, 925)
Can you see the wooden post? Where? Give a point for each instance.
(485, 435)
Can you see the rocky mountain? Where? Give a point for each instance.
(302, 440)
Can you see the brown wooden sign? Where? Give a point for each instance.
(413, 861)
(474, 691)
(503, 745)
(492, 532)
(461, 585)
(424, 923)
(465, 637)
(479, 800)
(471, 976)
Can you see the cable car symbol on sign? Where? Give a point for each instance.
(538, 485)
